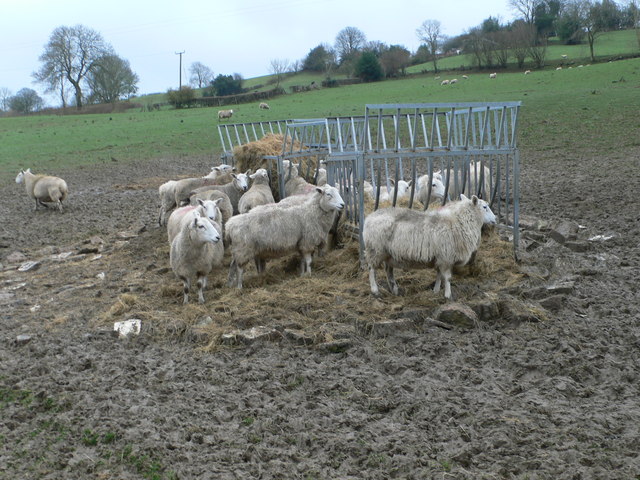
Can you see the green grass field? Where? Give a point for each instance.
(577, 110)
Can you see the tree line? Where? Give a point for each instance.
(77, 61)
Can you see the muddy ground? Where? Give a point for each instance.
(552, 394)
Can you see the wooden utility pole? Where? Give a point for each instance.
(180, 84)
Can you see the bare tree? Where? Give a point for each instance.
(201, 75)
(526, 8)
(5, 97)
(111, 80)
(349, 41)
(395, 60)
(278, 67)
(429, 32)
(522, 36)
(71, 54)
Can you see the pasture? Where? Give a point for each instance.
(544, 385)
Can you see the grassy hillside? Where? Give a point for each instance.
(609, 44)
(594, 107)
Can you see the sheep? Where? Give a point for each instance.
(559, 68)
(398, 237)
(224, 114)
(455, 80)
(172, 192)
(294, 184)
(206, 208)
(184, 187)
(43, 188)
(527, 72)
(259, 193)
(403, 190)
(195, 250)
(234, 189)
(437, 189)
(273, 232)
(473, 177)
(564, 57)
(444, 82)
(321, 177)
(465, 77)
(264, 106)
(493, 75)
(226, 209)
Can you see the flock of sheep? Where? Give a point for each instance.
(236, 211)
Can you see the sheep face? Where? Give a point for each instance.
(211, 209)
(241, 180)
(331, 198)
(488, 216)
(260, 173)
(202, 230)
(20, 177)
(437, 188)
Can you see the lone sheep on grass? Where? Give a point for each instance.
(222, 114)
(264, 106)
(43, 188)
(399, 237)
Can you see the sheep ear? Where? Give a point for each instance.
(410, 182)
(463, 197)
(217, 201)
(392, 181)
(247, 172)
(319, 190)
(234, 175)
(474, 199)
(217, 169)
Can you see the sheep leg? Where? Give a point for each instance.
(393, 286)
(305, 264)
(446, 275)
(202, 284)
(436, 287)
(186, 285)
(239, 272)
(233, 271)
(60, 205)
(372, 281)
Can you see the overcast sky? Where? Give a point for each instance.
(234, 36)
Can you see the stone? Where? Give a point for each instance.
(15, 257)
(128, 327)
(486, 310)
(29, 266)
(564, 231)
(553, 303)
(577, 246)
(336, 346)
(250, 336)
(388, 328)
(456, 314)
(23, 339)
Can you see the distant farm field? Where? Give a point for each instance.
(594, 107)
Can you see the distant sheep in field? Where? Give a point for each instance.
(259, 193)
(455, 80)
(465, 77)
(493, 75)
(564, 57)
(527, 72)
(222, 114)
(272, 232)
(264, 106)
(43, 188)
(399, 237)
(444, 82)
(558, 68)
(195, 250)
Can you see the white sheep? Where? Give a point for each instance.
(493, 75)
(465, 77)
(437, 189)
(321, 177)
(473, 177)
(259, 193)
(454, 80)
(43, 188)
(294, 183)
(234, 189)
(399, 237)
(195, 250)
(176, 192)
(402, 186)
(224, 114)
(206, 208)
(444, 82)
(273, 232)
(264, 106)
(527, 72)
(226, 209)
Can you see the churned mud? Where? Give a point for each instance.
(543, 384)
